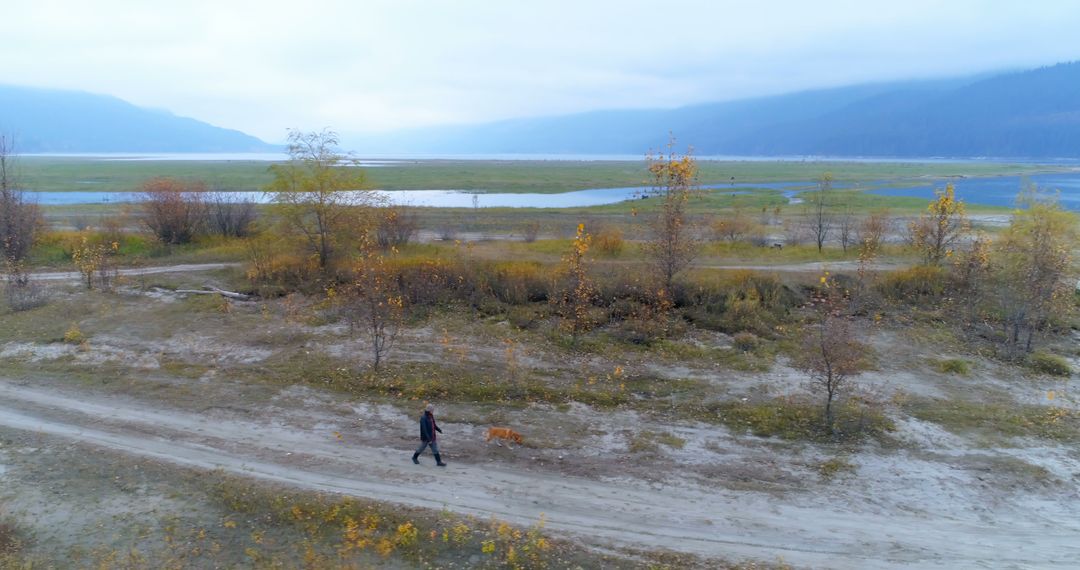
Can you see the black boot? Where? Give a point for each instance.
(414, 458)
(438, 460)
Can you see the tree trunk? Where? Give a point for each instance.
(829, 415)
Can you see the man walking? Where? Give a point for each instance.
(428, 429)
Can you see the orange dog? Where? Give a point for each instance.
(508, 434)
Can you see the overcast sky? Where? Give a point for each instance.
(371, 65)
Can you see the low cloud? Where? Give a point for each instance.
(383, 65)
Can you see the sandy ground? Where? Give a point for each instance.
(926, 514)
(187, 268)
(935, 499)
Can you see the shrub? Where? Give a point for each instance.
(94, 262)
(531, 231)
(523, 317)
(80, 223)
(274, 270)
(995, 420)
(739, 301)
(427, 281)
(447, 231)
(20, 216)
(913, 283)
(739, 228)
(229, 215)
(647, 328)
(650, 442)
(608, 242)
(798, 419)
(20, 291)
(954, 366)
(830, 468)
(746, 341)
(514, 282)
(396, 228)
(9, 541)
(173, 210)
(1050, 364)
(73, 335)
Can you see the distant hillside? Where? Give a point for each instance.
(46, 120)
(1027, 114)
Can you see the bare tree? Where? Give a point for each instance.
(972, 272)
(21, 292)
(830, 355)
(846, 226)
(530, 231)
(319, 193)
(173, 209)
(821, 218)
(673, 245)
(737, 227)
(373, 303)
(229, 214)
(872, 230)
(797, 230)
(396, 227)
(19, 218)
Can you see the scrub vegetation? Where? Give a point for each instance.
(747, 344)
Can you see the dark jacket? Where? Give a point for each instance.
(428, 427)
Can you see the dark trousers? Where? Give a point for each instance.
(423, 446)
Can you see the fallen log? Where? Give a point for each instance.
(208, 290)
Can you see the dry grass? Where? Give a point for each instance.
(997, 420)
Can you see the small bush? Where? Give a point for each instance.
(740, 301)
(829, 469)
(913, 283)
(523, 317)
(274, 270)
(21, 292)
(671, 440)
(73, 335)
(650, 442)
(647, 329)
(447, 232)
(608, 242)
(799, 419)
(1050, 364)
(992, 419)
(9, 540)
(954, 366)
(173, 210)
(515, 282)
(642, 443)
(229, 215)
(746, 341)
(530, 232)
(396, 228)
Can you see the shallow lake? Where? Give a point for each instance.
(432, 198)
(992, 191)
(999, 190)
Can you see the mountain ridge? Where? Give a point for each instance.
(1031, 113)
(67, 121)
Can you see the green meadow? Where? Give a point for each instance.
(64, 174)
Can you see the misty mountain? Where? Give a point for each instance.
(1022, 114)
(48, 120)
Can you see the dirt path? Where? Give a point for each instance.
(715, 522)
(186, 268)
(809, 266)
